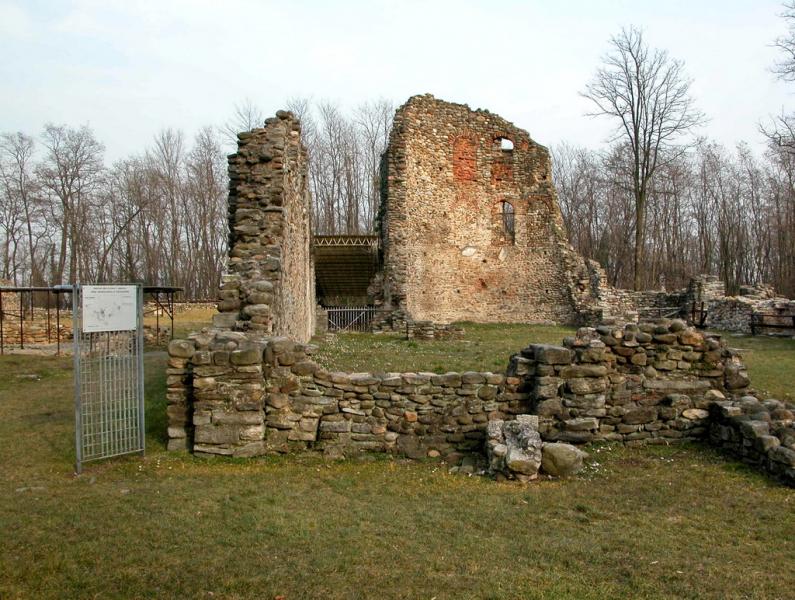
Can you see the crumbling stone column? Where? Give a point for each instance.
(269, 285)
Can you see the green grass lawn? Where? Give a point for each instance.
(771, 363)
(663, 522)
(484, 347)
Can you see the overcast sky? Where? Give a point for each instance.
(130, 68)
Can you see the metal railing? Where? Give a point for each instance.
(346, 240)
(352, 318)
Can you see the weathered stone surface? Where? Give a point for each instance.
(582, 424)
(444, 158)
(561, 460)
(695, 414)
(513, 448)
(249, 356)
(736, 377)
(552, 355)
(181, 348)
(637, 416)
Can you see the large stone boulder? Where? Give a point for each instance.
(560, 460)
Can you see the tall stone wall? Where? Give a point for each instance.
(269, 283)
(450, 175)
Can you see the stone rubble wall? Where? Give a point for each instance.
(234, 393)
(428, 330)
(445, 179)
(269, 283)
(34, 327)
(761, 434)
(734, 313)
(730, 314)
(231, 394)
(647, 383)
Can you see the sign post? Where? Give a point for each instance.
(107, 326)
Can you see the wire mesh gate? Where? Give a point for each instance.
(351, 318)
(108, 366)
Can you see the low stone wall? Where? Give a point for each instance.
(731, 313)
(427, 330)
(397, 321)
(636, 384)
(35, 329)
(232, 393)
(761, 434)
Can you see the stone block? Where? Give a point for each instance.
(642, 415)
(782, 454)
(581, 424)
(217, 434)
(225, 320)
(181, 348)
(695, 414)
(586, 385)
(561, 460)
(552, 355)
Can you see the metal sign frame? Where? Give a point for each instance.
(109, 386)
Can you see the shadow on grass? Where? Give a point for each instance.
(155, 415)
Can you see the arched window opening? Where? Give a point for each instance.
(508, 221)
(506, 145)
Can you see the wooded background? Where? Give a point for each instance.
(655, 206)
(160, 216)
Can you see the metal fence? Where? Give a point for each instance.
(109, 394)
(351, 318)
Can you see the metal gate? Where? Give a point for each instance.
(351, 318)
(108, 363)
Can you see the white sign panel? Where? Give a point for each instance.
(109, 308)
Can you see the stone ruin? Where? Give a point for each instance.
(756, 309)
(269, 284)
(470, 224)
(249, 386)
(237, 394)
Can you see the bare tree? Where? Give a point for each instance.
(785, 67)
(781, 131)
(649, 94)
(373, 121)
(344, 162)
(71, 175)
(246, 117)
(19, 201)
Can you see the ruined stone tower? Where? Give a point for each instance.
(269, 284)
(470, 224)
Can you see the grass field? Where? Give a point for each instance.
(483, 348)
(771, 363)
(668, 522)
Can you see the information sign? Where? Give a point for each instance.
(109, 308)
